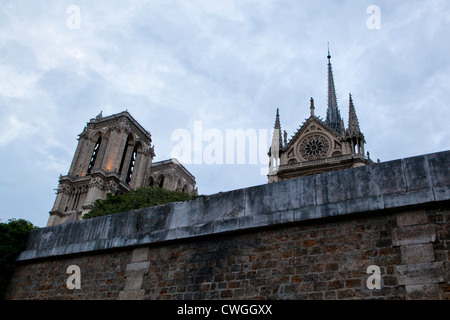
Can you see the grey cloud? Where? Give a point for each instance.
(229, 64)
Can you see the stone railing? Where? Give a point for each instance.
(321, 161)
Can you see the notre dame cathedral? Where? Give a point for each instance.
(318, 146)
(114, 154)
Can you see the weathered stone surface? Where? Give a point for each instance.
(411, 218)
(139, 254)
(420, 273)
(373, 188)
(133, 282)
(138, 266)
(423, 292)
(415, 253)
(131, 295)
(414, 235)
(314, 259)
(438, 175)
(416, 173)
(319, 259)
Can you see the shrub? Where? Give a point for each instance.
(135, 199)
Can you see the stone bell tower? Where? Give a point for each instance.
(114, 154)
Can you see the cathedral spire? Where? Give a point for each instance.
(333, 115)
(353, 133)
(277, 131)
(277, 120)
(353, 124)
(274, 152)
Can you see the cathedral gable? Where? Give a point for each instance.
(313, 141)
(319, 145)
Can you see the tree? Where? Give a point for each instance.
(13, 238)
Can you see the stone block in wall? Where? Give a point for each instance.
(420, 273)
(260, 220)
(409, 198)
(190, 231)
(447, 270)
(440, 178)
(416, 253)
(441, 193)
(140, 254)
(131, 295)
(223, 206)
(436, 163)
(134, 282)
(138, 267)
(428, 291)
(414, 235)
(361, 205)
(411, 218)
(134, 274)
(343, 185)
(157, 217)
(280, 196)
(416, 173)
(230, 225)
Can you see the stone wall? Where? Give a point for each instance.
(310, 238)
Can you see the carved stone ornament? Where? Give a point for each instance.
(97, 182)
(151, 151)
(86, 133)
(64, 188)
(314, 146)
(112, 186)
(124, 125)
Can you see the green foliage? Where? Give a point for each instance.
(135, 199)
(13, 238)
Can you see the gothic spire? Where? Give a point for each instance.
(276, 139)
(353, 124)
(277, 120)
(333, 115)
(278, 127)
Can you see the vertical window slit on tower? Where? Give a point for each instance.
(124, 154)
(94, 156)
(131, 166)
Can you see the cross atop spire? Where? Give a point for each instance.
(311, 106)
(329, 56)
(334, 119)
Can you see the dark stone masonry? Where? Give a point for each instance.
(313, 237)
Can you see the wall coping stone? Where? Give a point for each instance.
(388, 185)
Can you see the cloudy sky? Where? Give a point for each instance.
(225, 64)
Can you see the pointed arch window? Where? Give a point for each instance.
(131, 166)
(94, 156)
(161, 183)
(128, 144)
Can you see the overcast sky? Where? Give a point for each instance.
(228, 64)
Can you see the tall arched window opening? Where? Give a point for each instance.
(161, 183)
(128, 144)
(94, 156)
(131, 166)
